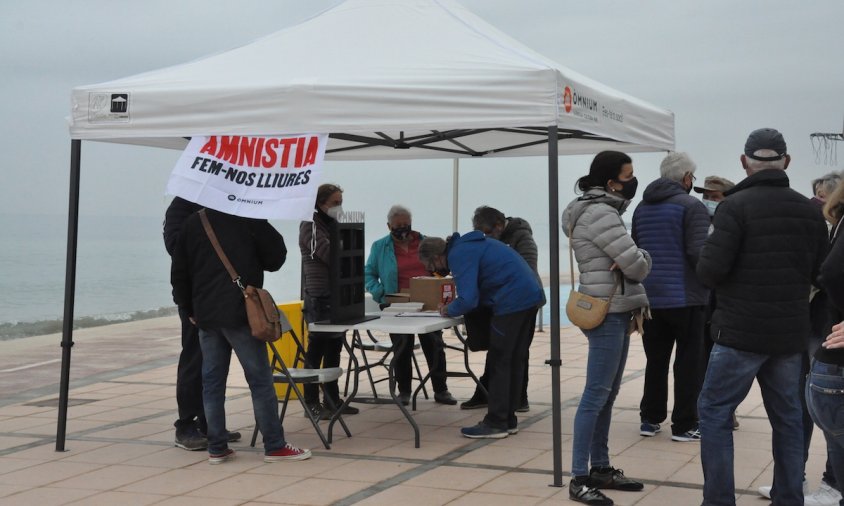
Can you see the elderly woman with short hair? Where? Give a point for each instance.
(392, 261)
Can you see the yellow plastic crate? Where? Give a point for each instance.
(285, 346)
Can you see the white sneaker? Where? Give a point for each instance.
(766, 491)
(823, 496)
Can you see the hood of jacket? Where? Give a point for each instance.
(662, 189)
(593, 196)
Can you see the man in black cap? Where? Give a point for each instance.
(766, 248)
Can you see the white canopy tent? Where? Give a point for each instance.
(387, 79)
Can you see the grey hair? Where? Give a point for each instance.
(827, 183)
(754, 165)
(676, 165)
(397, 210)
(431, 247)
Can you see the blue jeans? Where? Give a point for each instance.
(728, 380)
(608, 345)
(217, 345)
(825, 398)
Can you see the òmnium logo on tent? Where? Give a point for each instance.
(108, 107)
(582, 106)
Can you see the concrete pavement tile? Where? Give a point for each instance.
(46, 472)
(412, 496)
(45, 496)
(109, 477)
(454, 478)
(174, 481)
(314, 491)
(244, 486)
(121, 498)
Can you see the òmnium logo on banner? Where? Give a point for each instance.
(255, 177)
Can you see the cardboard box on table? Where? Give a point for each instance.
(432, 291)
(286, 346)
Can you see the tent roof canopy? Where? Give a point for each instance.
(381, 76)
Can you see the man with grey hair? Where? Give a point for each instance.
(766, 248)
(672, 225)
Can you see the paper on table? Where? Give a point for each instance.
(420, 313)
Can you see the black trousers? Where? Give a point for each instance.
(484, 378)
(434, 349)
(189, 379)
(323, 349)
(508, 347)
(683, 326)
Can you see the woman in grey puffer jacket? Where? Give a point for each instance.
(607, 258)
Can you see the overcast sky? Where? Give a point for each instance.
(723, 67)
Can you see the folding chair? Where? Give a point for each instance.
(385, 347)
(295, 376)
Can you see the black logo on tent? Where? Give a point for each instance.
(119, 102)
(232, 197)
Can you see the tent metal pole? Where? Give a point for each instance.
(555, 362)
(69, 290)
(455, 192)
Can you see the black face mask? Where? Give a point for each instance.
(400, 233)
(628, 188)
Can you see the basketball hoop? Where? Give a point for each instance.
(825, 146)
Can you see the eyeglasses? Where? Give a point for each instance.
(693, 177)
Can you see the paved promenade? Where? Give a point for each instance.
(120, 451)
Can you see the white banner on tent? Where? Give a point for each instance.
(255, 177)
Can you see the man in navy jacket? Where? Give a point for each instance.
(672, 226)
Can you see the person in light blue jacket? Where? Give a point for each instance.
(392, 261)
(489, 273)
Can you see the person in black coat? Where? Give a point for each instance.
(765, 250)
(204, 290)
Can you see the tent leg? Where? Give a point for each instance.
(455, 177)
(69, 290)
(555, 362)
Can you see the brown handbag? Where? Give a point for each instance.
(261, 310)
(585, 311)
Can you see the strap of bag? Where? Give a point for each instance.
(571, 266)
(219, 249)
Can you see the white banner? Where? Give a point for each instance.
(255, 177)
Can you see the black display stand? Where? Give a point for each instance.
(346, 279)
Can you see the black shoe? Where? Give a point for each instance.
(612, 478)
(234, 437)
(445, 397)
(476, 402)
(588, 495)
(524, 407)
(315, 409)
(348, 410)
(191, 439)
(404, 398)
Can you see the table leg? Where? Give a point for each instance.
(400, 347)
(337, 414)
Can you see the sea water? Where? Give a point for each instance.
(122, 271)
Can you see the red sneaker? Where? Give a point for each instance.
(288, 452)
(222, 457)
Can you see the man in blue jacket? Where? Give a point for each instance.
(488, 272)
(672, 226)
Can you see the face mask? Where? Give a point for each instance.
(628, 188)
(334, 212)
(710, 206)
(400, 233)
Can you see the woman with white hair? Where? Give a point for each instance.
(392, 261)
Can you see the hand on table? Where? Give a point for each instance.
(443, 310)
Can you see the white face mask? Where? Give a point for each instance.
(710, 206)
(334, 212)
